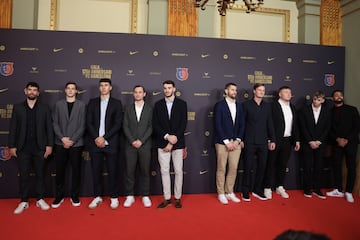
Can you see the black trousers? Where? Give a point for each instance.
(138, 157)
(277, 163)
(27, 162)
(63, 157)
(349, 151)
(252, 150)
(110, 159)
(312, 165)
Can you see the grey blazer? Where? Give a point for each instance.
(141, 130)
(72, 126)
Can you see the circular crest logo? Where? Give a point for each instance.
(5, 153)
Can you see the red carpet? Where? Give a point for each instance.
(202, 217)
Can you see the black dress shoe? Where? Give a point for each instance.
(164, 204)
(307, 193)
(319, 194)
(178, 203)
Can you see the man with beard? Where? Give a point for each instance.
(344, 136)
(169, 124)
(229, 128)
(30, 140)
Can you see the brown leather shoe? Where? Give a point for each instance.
(178, 203)
(164, 204)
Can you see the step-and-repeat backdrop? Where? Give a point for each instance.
(200, 68)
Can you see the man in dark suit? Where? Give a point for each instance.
(229, 131)
(169, 124)
(31, 139)
(287, 134)
(69, 126)
(314, 123)
(137, 128)
(103, 124)
(258, 139)
(344, 137)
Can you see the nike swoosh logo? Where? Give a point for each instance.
(203, 172)
(133, 52)
(55, 50)
(3, 90)
(82, 91)
(270, 59)
(331, 62)
(204, 55)
(155, 93)
(187, 133)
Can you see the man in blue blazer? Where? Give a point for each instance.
(169, 124)
(69, 126)
(229, 132)
(103, 124)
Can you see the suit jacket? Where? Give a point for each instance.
(134, 129)
(279, 122)
(72, 126)
(176, 125)
(44, 130)
(346, 125)
(311, 131)
(113, 120)
(259, 127)
(225, 128)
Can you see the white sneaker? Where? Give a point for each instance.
(114, 203)
(129, 201)
(42, 204)
(95, 202)
(222, 199)
(21, 207)
(268, 193)
(349, 197)
(335, 193)
(281, 191)
(146, 201)
(232, 197)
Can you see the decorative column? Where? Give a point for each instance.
(309, 21)
(5, 13)
(330, 22)
(182, 18)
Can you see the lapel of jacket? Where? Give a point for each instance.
(65, 109)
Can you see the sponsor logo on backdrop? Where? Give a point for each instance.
(247, 58)
(270, 59)
(259, 77)
(153, 173)
(246, 95)
(81, 50)
(82, 91)
(126, 92)
(225, 56)
(187, 133)
(155, 93)
(155, 53)
(53, 91)
(34, 70)
(96, 72)
(5, 113)
(177, 54)
(60, 70)
(269, 96)
(2, 47)
(86, 155)
(56, 50)
(201, 94)
(205, 153)
(103, 51)
(204, 55)
(132, 53)
(211, 114)
(3, 90)
(178, 93)
(155, 73)
(329, 80)
(203, 172)
(307, 97)
(309, 61)
(308, 79)
(31, 49)
(130, 72)
(206, 75)
(6, 68)
(4, 153)
(229, 75)
(330, 62)
(191, 116)
(289, 60)
(182, 74)
(207, 133)
(287, 78)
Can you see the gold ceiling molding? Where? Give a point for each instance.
(54, 14)
(270, 11)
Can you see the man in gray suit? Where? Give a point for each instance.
(69, 126)
(137, 127)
